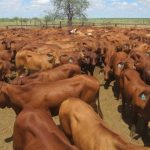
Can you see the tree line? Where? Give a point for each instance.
(62, 9)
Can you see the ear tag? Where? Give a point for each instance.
(143, 97)
(120, 65)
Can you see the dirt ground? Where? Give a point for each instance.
(109, 105)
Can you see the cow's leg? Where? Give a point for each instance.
(134, 119)
(110, 79)
(98, 106)
(27, 72)
(91, 69)
(117, 88)
(123, 107)
(97, 109)
(145, 129)
(107, 83)
(84, 69)
(20, 70)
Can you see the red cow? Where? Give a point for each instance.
(34, 129)
(58, 73)
(108, 63)
(142, 64)
(81, 123)
(49, 95)
(136, 93)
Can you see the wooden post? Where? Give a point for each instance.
(40, 23)
(46, 24)
(21, 22)
(82, 23)
(60, 25)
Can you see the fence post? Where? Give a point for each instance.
(34, 22)
(46, 24)
(21, 22)
(60, 25)
(40, 23)
(82, 23)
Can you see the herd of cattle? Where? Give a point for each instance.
(48, 72)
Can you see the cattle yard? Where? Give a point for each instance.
(25, 52)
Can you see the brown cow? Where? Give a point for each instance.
(142, 64)
(5, 70)
(58, 73)
(34, 61)
(117, 64)
(7, 43)
(89, 61)
(2, 45)
(6, 55)
(72, 57)
(108, 63)
(88, 130)
(136, 93)
(34, 129)
(49, 95)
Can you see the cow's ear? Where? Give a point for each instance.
(3, 42)
(139, 57)
(29, 55)
(12, 42)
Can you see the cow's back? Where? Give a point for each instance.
(34, 129)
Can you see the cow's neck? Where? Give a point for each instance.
(14, 96)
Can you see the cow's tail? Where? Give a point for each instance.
(98, 103)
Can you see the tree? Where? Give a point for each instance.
(70, 9)
(49, 16)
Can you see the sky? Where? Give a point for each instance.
(97, 8)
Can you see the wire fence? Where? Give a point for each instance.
(103, 22)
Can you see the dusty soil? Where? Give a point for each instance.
(109, 105)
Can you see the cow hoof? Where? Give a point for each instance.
(124, 115)
(132, 133)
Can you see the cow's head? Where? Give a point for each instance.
(7, 44)
(107, 71)
(118, 48)
(127, 48)
(142, 100)
(139, 59)
(127, 63)
(66, 59)
(51, 58)
(86, 60)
